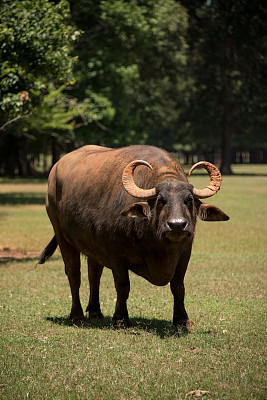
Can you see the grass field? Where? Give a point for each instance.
(44, 357)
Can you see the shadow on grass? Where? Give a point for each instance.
(161, 328)
(22, 198)
(5, 259)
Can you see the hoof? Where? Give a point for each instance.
(122, 324)
(95, 315)
(78, 321)
(190, 325)
(187, 324)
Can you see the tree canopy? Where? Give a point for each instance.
(168, 73)
(227, 53)
(35, 39)
(131, 56)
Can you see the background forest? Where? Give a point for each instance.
(187, 76)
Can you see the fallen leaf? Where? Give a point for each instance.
(197, 392)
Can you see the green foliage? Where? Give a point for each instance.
(57, 113)
(130, 57)
(51, 124)
(35, 43)
(227, 46)
(175, 74)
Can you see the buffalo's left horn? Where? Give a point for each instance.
(215, 180)
(130, 185)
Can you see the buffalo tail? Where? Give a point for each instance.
(48, 251)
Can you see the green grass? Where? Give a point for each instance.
(43, 357)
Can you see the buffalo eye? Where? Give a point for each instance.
(161, 201)
(189, 201)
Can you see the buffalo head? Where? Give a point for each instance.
(172, 205)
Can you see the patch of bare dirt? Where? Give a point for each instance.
(7, 254)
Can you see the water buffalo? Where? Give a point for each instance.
(130, 208)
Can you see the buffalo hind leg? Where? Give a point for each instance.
(180, 317)
(122, 285)
(94, 276)
(72, 262)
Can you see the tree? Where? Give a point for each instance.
(131, 58)
(35, 43)
(227, 60)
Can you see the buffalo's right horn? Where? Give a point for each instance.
(130, 185)
(215, 180)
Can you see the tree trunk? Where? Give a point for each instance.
(55, 151)
(226, 149)
(226, 145)
(10, 158)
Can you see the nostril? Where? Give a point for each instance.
(177, 224)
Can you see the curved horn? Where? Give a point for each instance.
(215, 180)
(130, 185)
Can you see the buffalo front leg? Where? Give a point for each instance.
(94, 275)
(72, 262)
(180, 317)
(122, 285)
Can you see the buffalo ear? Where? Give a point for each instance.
(137, 210)
(208, 212)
